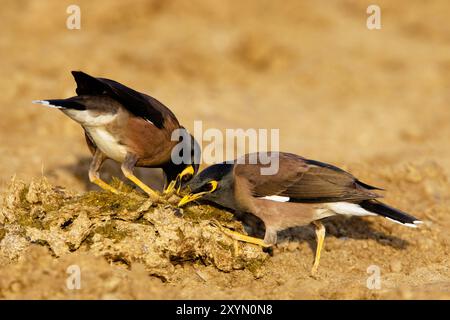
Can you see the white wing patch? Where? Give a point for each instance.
(276, 198)
(349, 209)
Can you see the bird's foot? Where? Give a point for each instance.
(242, 237)
(102, 184)
(320, 235)
(314, 270)
(154, 196)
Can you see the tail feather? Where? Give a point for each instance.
(87, 84)
(390, 213)
(69, 103)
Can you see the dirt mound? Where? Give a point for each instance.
(125, 229)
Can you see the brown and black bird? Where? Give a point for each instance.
(302, 191)
(129, 127)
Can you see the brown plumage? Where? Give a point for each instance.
(127, 126)
(302, 191)
(305, 180)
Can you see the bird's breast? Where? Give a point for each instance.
(108, 143)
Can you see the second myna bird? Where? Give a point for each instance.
(300, 192)
(129, 127)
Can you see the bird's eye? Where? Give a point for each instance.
(186, 177)
(212, 185)
(204, 188)
(208, 187)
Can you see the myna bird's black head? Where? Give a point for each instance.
(178, 175)
(215, 184)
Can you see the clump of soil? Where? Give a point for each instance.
(125, 229)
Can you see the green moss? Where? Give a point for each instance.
(23, 203)
(255, 265)
(121, 186)
(26, 220)
(108, 201)
(109, 230)
(207, 213)
(127, 200)
(54, 205)
(51, 201)
(225, 246)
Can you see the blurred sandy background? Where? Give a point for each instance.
(376, 102)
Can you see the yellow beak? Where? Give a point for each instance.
(194, 196)
(172, 185)
(190, 197)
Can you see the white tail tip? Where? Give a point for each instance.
(45, 103)
(40, 102)
(411, 225)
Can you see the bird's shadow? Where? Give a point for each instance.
(341, 227)
(110, 169)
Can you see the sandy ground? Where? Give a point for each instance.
(374, 102)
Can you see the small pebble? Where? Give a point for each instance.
(292, 246)
(396, 266)
(15, 286)
(110, 296)
(112, 284)
(174, 199)
(425, 243)
(413, 175)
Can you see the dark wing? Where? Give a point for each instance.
(329, 166)
(304, 180)
(139, 104)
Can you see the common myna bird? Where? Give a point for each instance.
(302, 191)
(129, 127)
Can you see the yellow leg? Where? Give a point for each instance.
(102, 184)
(242, 237)
(127, 169)
(320, 235)
(143, 186)
(94, 168)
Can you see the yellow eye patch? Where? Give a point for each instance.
(213, 185)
